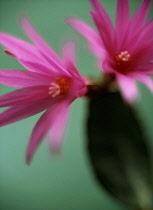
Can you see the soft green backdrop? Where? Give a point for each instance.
(64, 182)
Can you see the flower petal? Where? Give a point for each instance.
(145, 34)
(141, 14)
(128, 88)
(39, 68)
(85, 30)
(136, 25)
(122, 15)
(22, 78)
(145, 69)
(41, 128)
(145, 80)
(21, 48)
(143, 56)
(54, 66)
(59, 127)
(24, 96)
(103, 22)
(68, 52)
(122, 21)
(17, 113)
(37, 39)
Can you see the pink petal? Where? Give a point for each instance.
(107, 66)
(142, 57)
(128, 88)
(41, 128)
(81, 92)
(59, 127)
(73, 71)
(145, 69)
(141, 14)
(139, 19)
(85, 30)
(35, 66)
(17, 113)
(103, 31)
(147, 31)
(22, 78)
(24, 96)
(25, 52)
(9, 53)
(122, 21)
(39, 68)
(56, 67)
(21, 48)
(144, 36)
(103, 22)
(122, 15)
(37, 39)
(68, 53)
(145, 80)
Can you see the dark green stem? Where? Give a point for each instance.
(106, 84)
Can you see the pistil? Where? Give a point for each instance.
(60, 86)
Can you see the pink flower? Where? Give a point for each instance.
(124, 51)
(51, 84)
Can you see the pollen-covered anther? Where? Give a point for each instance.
(123, 59)
(60, 86)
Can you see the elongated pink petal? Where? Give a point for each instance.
(145, 80)
(41, 128)
(147, 31)
(21, 48)
(24, 96)
(37, 39)
(59, 127)
(81, 92)
(17, 113)
(103, 31)
(141, 14)
(56, 67)
(142, 57)
(69, 52)
(145, 69)
(10, 53)
(69, 57)
(122, 21)
(24, 51)
(97, 6)
(145, 34)
(122, 15)
(103, 21)
(85, 30)
(35, 66)
(106, 66)
(139, 18)
(73, 71)
(22, 78)
(39, 68)
(128, 88)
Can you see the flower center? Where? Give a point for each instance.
(123, 59)
(60, 86)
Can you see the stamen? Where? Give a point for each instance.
(60, 86)
(123, 59)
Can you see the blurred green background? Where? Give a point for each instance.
(63, 182)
